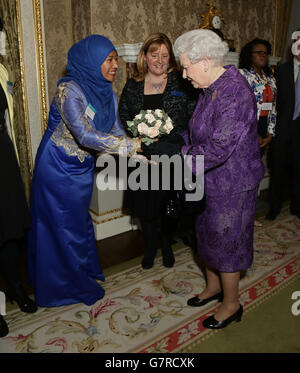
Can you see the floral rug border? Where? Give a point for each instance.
(182, 335)
(113, 282)
(193, 332)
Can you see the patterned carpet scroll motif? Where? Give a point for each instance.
(146, 311)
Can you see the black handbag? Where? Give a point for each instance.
(187, 206)
(173, 208)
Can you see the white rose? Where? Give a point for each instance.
(139, 116)
(153, 132)
(150, 118)
(158, 112)
(169, 123)
(168, 127)
(142, 128)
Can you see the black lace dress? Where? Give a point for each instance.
(150, 204)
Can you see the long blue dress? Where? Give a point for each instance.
(62, 255)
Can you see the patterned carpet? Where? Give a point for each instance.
(146, 311)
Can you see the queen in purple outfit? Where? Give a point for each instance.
(223, 129)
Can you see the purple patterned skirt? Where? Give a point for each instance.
(225, 231)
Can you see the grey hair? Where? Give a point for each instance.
(200, 44)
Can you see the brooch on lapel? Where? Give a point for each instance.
(176, 93)
(214, 95)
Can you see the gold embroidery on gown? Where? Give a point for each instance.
(63, 137)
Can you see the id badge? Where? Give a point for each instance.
(10, 87)
(267, 106)
(90, 111)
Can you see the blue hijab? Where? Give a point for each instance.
(84, 67)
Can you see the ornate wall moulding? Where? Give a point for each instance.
(23, 85)
(41, 63)
(33, 70)
(129, 53)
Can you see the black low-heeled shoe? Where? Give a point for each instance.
(197, 302)
(212, 323)
(18, 294)
(271, 215)
(148, 262)
(296, 213)
(3, 327)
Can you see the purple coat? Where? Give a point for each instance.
(223, 128)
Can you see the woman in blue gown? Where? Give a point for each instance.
(63, 262)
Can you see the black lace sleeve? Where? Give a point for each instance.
(131, 102)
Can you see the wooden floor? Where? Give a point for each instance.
(122, 247)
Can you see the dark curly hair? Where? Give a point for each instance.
(245, 61)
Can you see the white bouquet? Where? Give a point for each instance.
(150, 124)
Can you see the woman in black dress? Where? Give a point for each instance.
(157, 85)
(14, 214)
